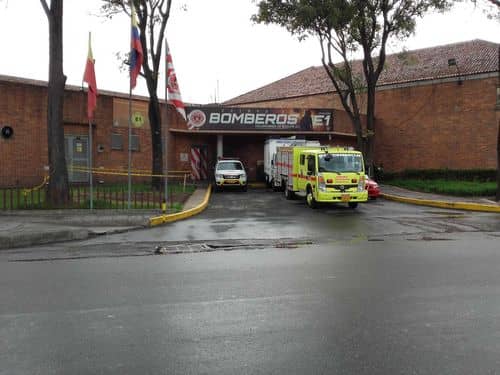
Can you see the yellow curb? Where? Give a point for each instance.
(441, 204)
(162, 219)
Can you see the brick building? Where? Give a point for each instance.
(24, 155)
(436, 108)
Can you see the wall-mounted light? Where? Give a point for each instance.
(453, 62)
(7, 131)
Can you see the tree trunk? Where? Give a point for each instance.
(154, 115)
(370, 127)
(358, 129)
(58, 191)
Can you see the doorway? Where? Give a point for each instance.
(76, 151)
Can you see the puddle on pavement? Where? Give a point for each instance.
(229, 245)
(448, 214)
(429, 238)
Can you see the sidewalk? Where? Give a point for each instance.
(442, 201)
(23, 228)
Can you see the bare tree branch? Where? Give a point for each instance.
(45, 7)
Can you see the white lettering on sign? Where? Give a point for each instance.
(281, 119)
(249, 118)
(293, 120)
(238, 117)
(214, 118)
(226, 118)
(318, 120)
(271, 118)
(260, 119)
(264, 119)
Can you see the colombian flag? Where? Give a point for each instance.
(89, 77)
(136, 55)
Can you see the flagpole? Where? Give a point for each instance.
(89, 148)
(129, 190)
(91, 166)
(165, 139)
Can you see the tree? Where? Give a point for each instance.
(152, 18)
(489, 7)
(58, 191)
(342, 28)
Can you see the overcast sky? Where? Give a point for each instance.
(213, 43)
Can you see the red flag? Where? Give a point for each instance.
(89, 77)
(136, 54)
(173, 91)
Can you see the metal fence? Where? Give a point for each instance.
(114, 197)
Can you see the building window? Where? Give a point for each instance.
(134, 143)
(116, 141)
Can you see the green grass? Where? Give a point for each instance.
(448, 187)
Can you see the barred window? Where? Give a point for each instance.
(134, 143)
(116, 141)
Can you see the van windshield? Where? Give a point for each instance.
(229, 165)
(340, 163)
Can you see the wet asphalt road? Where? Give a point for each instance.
(260, 215)
(384, 289)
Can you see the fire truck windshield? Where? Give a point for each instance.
(340, 163)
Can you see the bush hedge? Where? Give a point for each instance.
(480, 175)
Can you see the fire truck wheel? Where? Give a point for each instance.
(311, 202)
(288, 193)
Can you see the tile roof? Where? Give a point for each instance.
(115, 94)
(472, 57)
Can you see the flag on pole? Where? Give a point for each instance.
(89, 77)
(136, 54)
(173, 91)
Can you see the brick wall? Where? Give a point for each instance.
(435, 125)
(24, 155)
(442, 125)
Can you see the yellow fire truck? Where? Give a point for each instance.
(321, 174)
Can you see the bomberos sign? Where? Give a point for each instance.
(230, 118)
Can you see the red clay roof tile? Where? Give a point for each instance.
(472, 57)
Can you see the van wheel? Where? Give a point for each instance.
(311, 202)
(353, 204)
(288, 193)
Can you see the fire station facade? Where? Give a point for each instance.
(435, 108)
